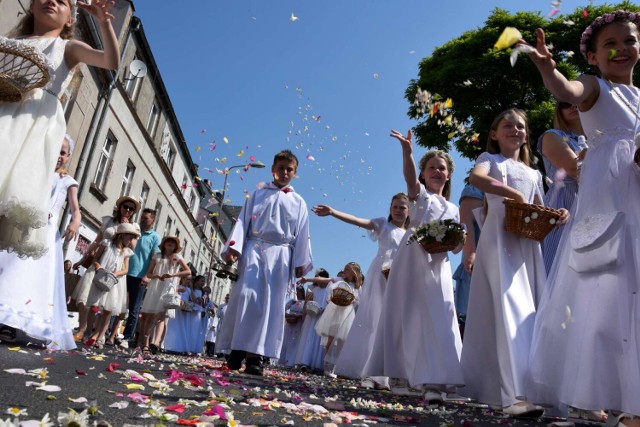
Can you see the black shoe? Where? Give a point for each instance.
(254, 366)
(234, 362)
(8, 334)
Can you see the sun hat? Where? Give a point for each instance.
(123, 199)
(175, 239)
(128, 228)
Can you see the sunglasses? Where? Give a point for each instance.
(564, 105)
(129, 207)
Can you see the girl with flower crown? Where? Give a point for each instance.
(587, 334)
(37, 124)
(165, 266)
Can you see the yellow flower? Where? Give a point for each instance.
(508, 38)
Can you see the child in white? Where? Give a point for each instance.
(165, 267)
(387, 232)
(310, 354)
(38, 306)
(271, 241)
(508, 274)
(418, 342)
(587, 334)
(114, 259)
(336, 320)
(33, 129)
(294, 316)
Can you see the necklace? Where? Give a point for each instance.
(634, 111)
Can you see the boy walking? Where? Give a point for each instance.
(271, 241)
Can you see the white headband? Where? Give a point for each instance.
(70, 141)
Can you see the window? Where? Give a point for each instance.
(127, 179)
(177, 232)
(184, 246)
(132, 83)
(171, 156)
(158, 211)
(167, 227)
(193, 257)
(154, 117)
(144, 195)
(104, 164)
(192, 203)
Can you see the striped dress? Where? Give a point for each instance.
(561, 194)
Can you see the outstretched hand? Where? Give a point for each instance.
(99, 9)
(405, 141)
(541, 56)
(322, 210)
(71, 233)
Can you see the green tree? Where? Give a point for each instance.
(481, 83)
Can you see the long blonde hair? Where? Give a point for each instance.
(493, 147)
(355, 267)
(26, 26)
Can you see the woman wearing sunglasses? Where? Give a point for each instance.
(126, 208)
(562, 149)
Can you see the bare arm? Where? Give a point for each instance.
(408, 164)
(467, 205)
(582, 92)
(71, 233)
(316, 280)
(480, 178)
(324, 210)
(125, 268)
(560, 154)
(77, 51)
(152, 266)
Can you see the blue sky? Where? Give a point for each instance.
(328, 85)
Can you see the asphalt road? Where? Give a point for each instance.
(123, 388)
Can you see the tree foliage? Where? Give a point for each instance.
(481, 82)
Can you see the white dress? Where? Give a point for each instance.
(418, 337)
(32, 292)
(114, 300)
(31, 134)
(310, 352)
(358, 346)
(272, 237)
(508, 277)
(291, 334)
(156, 287)
(586, 342)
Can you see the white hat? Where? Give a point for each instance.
(128, 228)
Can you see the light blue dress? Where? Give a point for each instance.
(461, 277)
(560, 194)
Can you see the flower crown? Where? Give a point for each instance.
(601, 21)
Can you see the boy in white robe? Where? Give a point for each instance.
(271, 241)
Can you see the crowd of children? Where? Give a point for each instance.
(554, 325)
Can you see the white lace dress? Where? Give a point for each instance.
(586, 343)
(358, 347)
(156, 287)
(32, 292)
(31, 134)
(508, 278)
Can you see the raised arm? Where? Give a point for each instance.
(582, 92)
(324, 210)
(408, 164)
(77, 51)
(316, 280)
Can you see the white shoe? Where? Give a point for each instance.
(432, 396)
(401, 387)
(367, 383)
(455, 397)
(528, 410)
(124, 344)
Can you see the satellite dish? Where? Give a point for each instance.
(138, 68)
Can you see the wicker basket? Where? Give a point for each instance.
(342, 295)
(291, 319)
(22, 68)
(530, 221)
(449, 243)
(313, 308)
